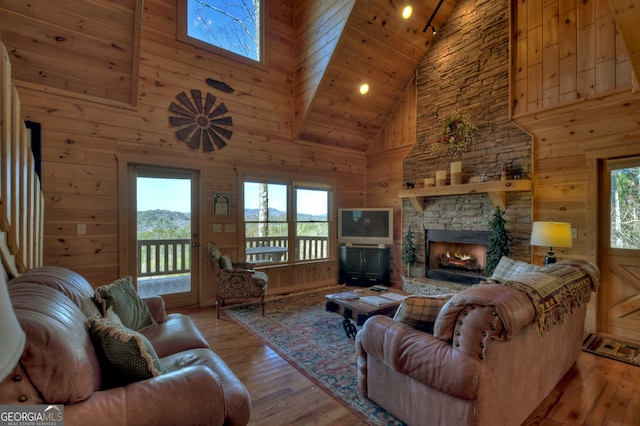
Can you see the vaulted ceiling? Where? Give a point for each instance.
(339, 45)
(368, 42)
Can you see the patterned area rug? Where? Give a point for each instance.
(313, 340)
(612, 348)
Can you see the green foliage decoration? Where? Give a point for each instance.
(409, 249)
(499, 241)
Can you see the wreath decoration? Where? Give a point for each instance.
(456, 136)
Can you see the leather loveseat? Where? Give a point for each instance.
(60, 365)
(493, 357)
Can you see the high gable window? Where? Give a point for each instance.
(232, 25)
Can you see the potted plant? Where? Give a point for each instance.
(409, 250)
(499, 241)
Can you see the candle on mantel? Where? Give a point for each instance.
(456, 173)
(429, 182)
(441, 177)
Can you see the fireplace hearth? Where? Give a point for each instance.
(456, 256)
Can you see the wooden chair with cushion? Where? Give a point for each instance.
(234, 280)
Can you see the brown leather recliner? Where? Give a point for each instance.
(60, 365)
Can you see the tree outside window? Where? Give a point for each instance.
(268, 224)
(625, 208)
(234, 26)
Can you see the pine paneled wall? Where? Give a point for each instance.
(572, 89)
(87, 143)
(565, 51)
(384, 168)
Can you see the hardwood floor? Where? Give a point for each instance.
(595, 391)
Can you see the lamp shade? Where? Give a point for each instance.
(12, 337)
(551, 234)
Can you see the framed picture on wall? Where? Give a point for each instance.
(220, 203)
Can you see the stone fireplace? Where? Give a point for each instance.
(471, 78)
(456, 256)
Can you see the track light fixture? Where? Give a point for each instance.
(431, 18)
(433, 30)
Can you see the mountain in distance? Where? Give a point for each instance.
(157, 223)
(152, 220)
(275, 214)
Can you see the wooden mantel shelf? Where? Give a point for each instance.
(497, 191)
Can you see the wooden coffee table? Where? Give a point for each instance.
(360, 311)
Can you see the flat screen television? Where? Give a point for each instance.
(366, 226)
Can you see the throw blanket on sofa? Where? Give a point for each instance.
(557, 290)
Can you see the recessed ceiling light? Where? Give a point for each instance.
(364, 89)
(406, 12)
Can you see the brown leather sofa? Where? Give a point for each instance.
(59, 364)
(487, 362)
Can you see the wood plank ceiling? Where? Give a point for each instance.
(377, 47)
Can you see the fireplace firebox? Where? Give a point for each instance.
(456, 256)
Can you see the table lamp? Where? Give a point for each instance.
(551, 234)
(12, 337)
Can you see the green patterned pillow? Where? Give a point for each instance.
(420, 312)
(126, 356)
(122, 297)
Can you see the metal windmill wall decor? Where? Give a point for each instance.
(203, 123)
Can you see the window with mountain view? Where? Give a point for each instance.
(234, 26)
(312, 223)
(270, 228)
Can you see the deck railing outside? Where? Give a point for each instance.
(307, 248)
(163, 257)
(172, 257)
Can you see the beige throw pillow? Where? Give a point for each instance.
(508, 268)
(225, 262)
(420, 312)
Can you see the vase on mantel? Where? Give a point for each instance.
(456, 172)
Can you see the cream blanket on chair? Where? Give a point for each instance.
(557, 290)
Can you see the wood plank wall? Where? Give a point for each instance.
(100, 37)
(86, 145)
(384, 169)
(565, 51)
(573, 90)
(572, 87)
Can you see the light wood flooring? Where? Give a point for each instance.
(596, 390)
